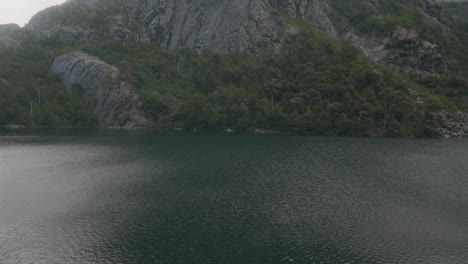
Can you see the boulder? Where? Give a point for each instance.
(116, 102)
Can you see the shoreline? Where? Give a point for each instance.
(258, 131)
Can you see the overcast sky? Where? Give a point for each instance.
(20, 11)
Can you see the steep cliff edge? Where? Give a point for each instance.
(116, 103)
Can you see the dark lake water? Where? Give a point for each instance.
(88, 196)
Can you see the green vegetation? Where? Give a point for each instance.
(314, 85)
(31, 95)
(387, 15)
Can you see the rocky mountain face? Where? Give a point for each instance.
(252, 26)
(8, 35)
(455, 11)
(117, 105)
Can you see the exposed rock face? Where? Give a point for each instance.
(238, 25)
(6, 42)
(410, 54)
(121, 27)
(433, 8)
(7, 36)
(52, 23)
(455, 11)
(116, 103)
(453, 125)
(223, 25)
(403, 50)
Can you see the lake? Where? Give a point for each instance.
(101, 196)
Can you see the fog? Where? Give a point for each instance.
(20, 11)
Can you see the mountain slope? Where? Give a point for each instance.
(414, 37)
(269, 64)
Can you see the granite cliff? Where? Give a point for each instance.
(394, 36)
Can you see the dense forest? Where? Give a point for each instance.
(31, 95)
(313, 84)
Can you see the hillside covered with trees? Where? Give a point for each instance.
(312, 83)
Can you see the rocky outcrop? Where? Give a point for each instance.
(453, 125)
(8, 35)
(116, 102)
(55, 23)
(403, 50)
(455, 12)
(409, 53)
(433, 8)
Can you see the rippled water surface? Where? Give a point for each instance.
(78, 196)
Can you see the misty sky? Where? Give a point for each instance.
(20, 11)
